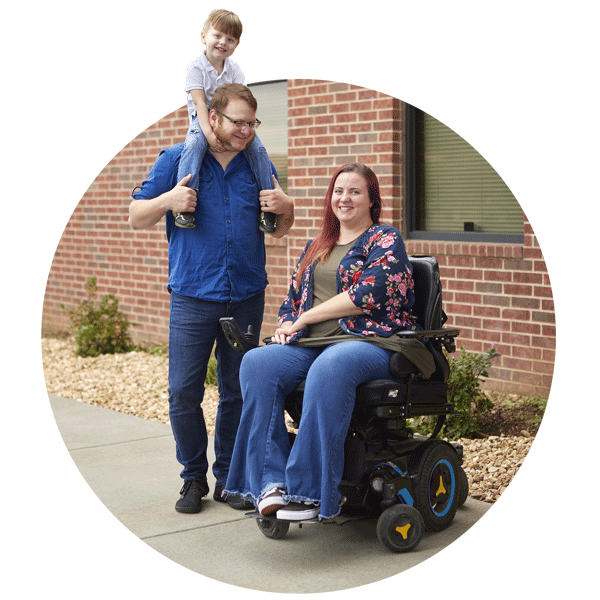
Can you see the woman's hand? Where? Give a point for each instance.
(288, 328)
(282, 333)
(335, 308)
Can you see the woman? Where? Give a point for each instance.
(353, 284)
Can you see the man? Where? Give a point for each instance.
(216, 269)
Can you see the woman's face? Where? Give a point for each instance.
(350, 201)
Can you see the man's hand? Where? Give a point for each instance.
(278, 202)
(275, 200)
(182, 198)
(146, 213)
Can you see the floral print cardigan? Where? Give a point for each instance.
(377, 274)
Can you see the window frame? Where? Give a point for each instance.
(411, 153)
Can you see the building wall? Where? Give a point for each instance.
(496, 294)
(97, 241)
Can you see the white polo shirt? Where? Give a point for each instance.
(201, 75)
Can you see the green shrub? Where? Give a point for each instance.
(99, 328)
(211, 372)
(465, 392)
(467, 372)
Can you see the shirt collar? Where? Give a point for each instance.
(209, 67)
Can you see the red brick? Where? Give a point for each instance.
(487, 287)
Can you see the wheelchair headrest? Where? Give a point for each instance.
(428, 292)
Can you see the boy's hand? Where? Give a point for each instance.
(214, 143)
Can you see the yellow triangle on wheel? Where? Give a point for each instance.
(403, 531)
(441, 489)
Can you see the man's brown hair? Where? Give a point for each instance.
(226, 92)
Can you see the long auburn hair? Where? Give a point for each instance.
(329, 233)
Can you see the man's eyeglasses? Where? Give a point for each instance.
(241, 124)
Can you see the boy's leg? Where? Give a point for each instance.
(260, 164)
(194, 150)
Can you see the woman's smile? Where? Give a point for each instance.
(350, 200)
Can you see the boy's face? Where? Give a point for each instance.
(219, 45)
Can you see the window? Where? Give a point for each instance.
(453, 193)
(272, 101)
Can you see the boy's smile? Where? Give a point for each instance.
(219, 46)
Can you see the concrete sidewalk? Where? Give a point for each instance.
(130, 465)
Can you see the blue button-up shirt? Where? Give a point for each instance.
(223, 258)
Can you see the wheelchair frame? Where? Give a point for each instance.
(410, 483)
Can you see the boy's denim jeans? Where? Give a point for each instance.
(311, 470)
(195, 148)
(194, 328)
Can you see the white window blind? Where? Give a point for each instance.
(459, 190)
(272, 98)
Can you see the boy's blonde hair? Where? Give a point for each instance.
(225, 21)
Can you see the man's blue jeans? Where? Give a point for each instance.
(194, 329)
(311, 470)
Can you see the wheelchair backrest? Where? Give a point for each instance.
(428, 307)
(428, 292)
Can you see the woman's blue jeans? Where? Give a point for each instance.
(194, 329)
(310, 470)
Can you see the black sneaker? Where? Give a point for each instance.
(191, 493)
(236, 501)
(184, 220)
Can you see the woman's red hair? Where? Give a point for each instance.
(330, 226)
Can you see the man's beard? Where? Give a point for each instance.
(225, 141)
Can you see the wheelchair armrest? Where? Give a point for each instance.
(237, 339)
(445, 335)
(445, 332)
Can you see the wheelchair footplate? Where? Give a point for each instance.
(339, 519)
(400, 529)
(256, 515)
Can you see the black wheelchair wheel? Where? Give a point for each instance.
(400, 528)
(437, 487)
(273, 529)
(463, 486)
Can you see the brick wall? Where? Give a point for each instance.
(331, 124)
(497, 294)
(98, 241)
(500, 295)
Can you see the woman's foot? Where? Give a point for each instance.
(298, 511)
(271, 501)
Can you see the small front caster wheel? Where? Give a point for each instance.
(400, 528)
(273, 529)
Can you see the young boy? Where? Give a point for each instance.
(221, 35)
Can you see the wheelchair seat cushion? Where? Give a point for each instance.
(390, 391)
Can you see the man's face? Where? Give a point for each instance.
(233, 137)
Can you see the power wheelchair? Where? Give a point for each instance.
(409, 482)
